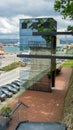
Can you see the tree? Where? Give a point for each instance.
(65, 8)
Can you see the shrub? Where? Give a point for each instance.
(11, 66)
(6, 110)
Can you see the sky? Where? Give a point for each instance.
(13, 10)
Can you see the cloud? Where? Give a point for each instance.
(62, 23)
(11, 24)
(12, 10)
(7, 25)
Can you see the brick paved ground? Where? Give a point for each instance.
(43, 106)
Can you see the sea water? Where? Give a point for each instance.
(11, 49)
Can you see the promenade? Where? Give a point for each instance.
(43, 106)
(8, 59)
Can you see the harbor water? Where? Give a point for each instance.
(11, 49)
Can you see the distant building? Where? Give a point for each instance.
(58, 42)
(1, 49)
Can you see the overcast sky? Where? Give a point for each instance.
(12, 10)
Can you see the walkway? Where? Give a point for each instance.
(44, 106)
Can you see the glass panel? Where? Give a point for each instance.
(36, 68)
(28, 26)
(35, 71)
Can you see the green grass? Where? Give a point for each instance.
(10, 66)
(68, 63)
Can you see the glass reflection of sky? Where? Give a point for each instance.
(26, 38)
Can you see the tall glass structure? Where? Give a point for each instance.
(36, 68)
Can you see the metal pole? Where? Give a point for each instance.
(53, 60)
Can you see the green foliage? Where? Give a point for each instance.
(25, 23)
(6, 110)
(10, 66)
(65, 7)
(70, 28)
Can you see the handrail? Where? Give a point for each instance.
(58, 56)
(51, 33)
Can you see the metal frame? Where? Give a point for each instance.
(51, 33)
(46, 56)
(53, 56)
